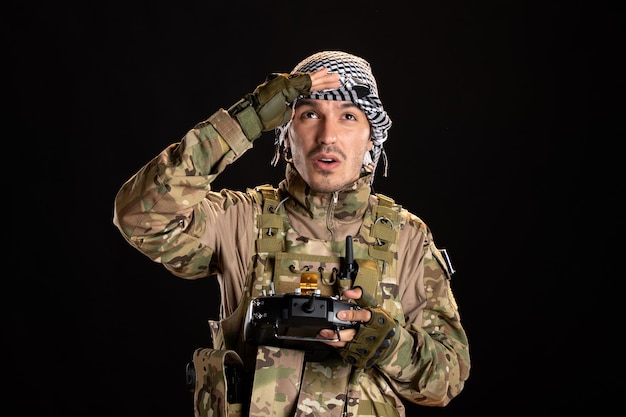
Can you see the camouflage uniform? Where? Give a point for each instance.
(169, 212)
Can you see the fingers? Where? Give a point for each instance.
(322, 80)
(353, 293)
(363, 298)
(345, 336)
(358, 315)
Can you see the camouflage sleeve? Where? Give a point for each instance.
(430, 362)
(159, 210)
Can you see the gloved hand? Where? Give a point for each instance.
(372, 338)
(270, 103)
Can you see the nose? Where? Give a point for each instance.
(327, 131)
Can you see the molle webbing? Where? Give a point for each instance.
(386, 220)
(270, 223)
(383, 225)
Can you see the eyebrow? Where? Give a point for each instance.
(313, 103)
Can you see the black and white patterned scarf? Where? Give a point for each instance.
(357, 85)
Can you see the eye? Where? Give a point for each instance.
(309, 115)
(349, 116)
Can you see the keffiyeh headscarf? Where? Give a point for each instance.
(357, 85)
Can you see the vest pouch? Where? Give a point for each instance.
(221, 386)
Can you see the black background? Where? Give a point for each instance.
(502, 142)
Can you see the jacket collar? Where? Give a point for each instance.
(352, 200)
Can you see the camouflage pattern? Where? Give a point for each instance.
(211, 389)
(158, 203)
(276, 382)
(324, 389)
(169, 212)
(305, 255)
(355, 202)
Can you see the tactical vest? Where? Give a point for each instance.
(284, 383)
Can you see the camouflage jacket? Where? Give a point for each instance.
(169, 212)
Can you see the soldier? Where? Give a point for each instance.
(394, 335)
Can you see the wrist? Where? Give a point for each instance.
(247, 117)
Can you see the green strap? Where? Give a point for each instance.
(249, 122)
(230, 131)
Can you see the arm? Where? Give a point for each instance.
(425, 360)
(429, 362)
(158, 210)
(167, 206)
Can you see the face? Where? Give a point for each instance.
(328, 140)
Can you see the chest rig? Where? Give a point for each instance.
(285, 262)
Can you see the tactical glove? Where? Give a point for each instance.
(267, 107)
(372, 338)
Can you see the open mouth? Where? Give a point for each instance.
(326, 163)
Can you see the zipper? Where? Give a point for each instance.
(330, 214)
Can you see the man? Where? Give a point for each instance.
(321, 240)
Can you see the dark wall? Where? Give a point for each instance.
(496, 144)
